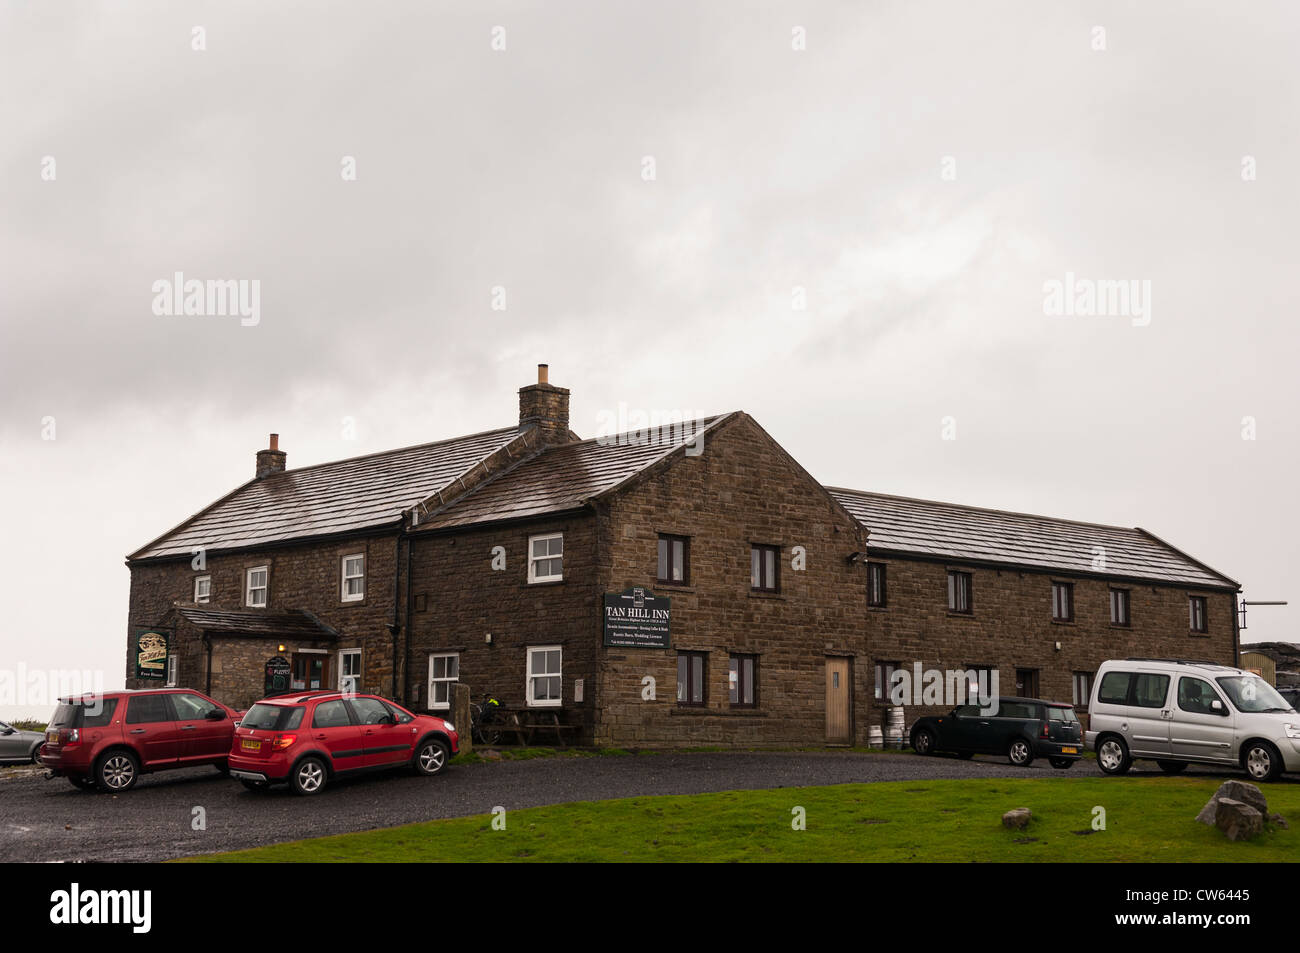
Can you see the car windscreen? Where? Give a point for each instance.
(272, 717)
(1061, 714)
(1250, 693)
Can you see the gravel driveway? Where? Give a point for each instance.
(50, 820)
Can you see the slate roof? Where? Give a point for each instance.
(328, 498)
(897, 524)
(561, 478)
(269, 623)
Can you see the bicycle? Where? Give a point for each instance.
(483, 717)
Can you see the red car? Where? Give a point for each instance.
(306, 739)
(107, 741)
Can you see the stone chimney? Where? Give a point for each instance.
(546, 407)
(270, 460)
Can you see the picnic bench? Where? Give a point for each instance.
(525, 724)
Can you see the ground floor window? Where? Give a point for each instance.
(544, 685)
(309, 671)
(444, 671)
(691, 670)
(1027, 682)
(1082, 689)
(743, 681)
(884, 675)
(979, 679)
(350, 670)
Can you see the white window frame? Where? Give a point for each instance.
(265, 587)
(529, 676)
(533, 577)
(207, 598)
(443, 680)
(344, 595)
(173, 670)
(343, 653)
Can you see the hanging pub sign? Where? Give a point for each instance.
(636, 619)
(278, 671)
(151, 653)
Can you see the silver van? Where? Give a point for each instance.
(1178, 713)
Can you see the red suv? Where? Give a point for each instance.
(107, 741)
(306, 739)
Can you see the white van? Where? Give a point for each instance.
(1178, 713)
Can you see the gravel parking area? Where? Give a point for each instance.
(44, 820)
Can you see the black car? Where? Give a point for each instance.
(1020, 728)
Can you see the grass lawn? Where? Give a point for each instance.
(1147, 820)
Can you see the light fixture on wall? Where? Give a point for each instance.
(1058, 646)
(280, 648)
(488, 638)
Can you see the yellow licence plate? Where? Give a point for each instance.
(248, 744)
(1069, 751)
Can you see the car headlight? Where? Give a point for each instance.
(451, 727)
(1292, 731)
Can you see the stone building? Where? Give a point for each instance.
(686, 585)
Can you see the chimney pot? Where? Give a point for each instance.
(542, 373)
(275, 441)
(270, 460)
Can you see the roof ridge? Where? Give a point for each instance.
(384, 453)
(987, 509)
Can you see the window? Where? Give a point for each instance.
(255, 590)
(1149, 691)
(691, 669)
(354, 578)
(544, 675)
(959, 591)
(1119, 602)
(203, 589)
(742, 679)
(1195, 695)
(980, 683)
(173, 670)
(763, 572)
(546, 558)
(1082, 689)
(1062, 602)
(444, 670)
(884, 676)
(674, 560)
(349, 670)
(1196, 608)
(191, 707)
(1114, 688)
(371, 711)
(876, 574)
(146, 709)
(331, 715)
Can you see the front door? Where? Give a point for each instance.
(839, 722)
(310, 672)
(1027, 682)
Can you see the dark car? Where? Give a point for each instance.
(308, 738)
(1020, 728)
(107, 741)
(17, 745)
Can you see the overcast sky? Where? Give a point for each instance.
(920, 170)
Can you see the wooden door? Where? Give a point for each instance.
(839, 719)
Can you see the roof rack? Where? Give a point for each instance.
(1180, 661)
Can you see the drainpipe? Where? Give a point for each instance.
(394, 627)
(410, 608)
(207, 643)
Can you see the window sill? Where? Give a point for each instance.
(1121, 625)
(673, 586)
(763, 594)
(542, 584)
(1064, 622)
(1199, 635)
(953, 614)
(877, 608)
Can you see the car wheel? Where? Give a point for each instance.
(1172, 767)
(81, 784)
(117, 771)
(1061, 763)
(1113, 756)
(923, 742)
(1262, 762)
(1020, 753)
(36, 754)
(308, 777)
(254, 785)
(431, 758)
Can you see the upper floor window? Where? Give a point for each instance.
(544, 685)
(354, 578)
(1196, 609)
(764, 569)
(959, 591)
(203, 589)
(1062, 602)
(1119, 607)
(255, 589)
(876, 575)
(546, 558)
(674, 560)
